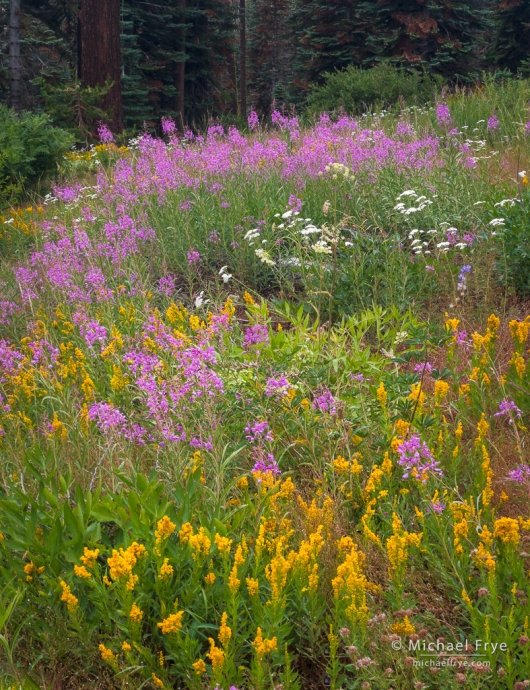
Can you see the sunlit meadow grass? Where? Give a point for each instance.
(263, 408)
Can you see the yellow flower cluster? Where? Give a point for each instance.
(216, 655)
(399, 544)
(264, 646)
(351, 584)
(225, 632)
(171, 624)
(165, 529)
(507, 530)
(69, 599)
(122, 562)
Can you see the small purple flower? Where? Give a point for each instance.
(462, 285)
(423, 368)
(520, 475)
(417, 460)
(437, 507)
(527, 129)
(256, 335)
(357, 377)
(507, 408)
(429, 268)
(106, 416)
(294, 203)
(185, 205)
(268, 465)
(92, 332)
(166, 285)
(258, 432)
(493, 123)
(277, 387)
(325, 403)
(193, 257)
(443, 114)
(213, 237)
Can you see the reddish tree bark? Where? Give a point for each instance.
(99, 24)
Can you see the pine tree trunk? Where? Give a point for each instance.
(242, 59)
(15, 63)
(100, 53)
(180, 67)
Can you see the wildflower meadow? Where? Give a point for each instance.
(264, 398)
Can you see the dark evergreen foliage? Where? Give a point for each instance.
(291, 45)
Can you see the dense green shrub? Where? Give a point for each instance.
(29, 150)
(357, 90)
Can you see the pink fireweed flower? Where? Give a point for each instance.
(493, 123)
(105, 134)
(168, 126)
(268, 465)
(253, 120)
(437, 507)
(294, 203)
(417, 460)
(258, 432)
(443, 114)
(193, 257)
(166, 285)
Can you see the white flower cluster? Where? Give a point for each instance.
(420, 202)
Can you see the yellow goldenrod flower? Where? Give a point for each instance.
(107, 654)
(482, 428)
(123, 561)
(264, 646)
(89, 557)
(216, 656)
(166, 570)
(340, 465)
(126, 647)
(186, 531)
(252, 586)
(403, 627)
(441, 389)
(200, 543)
(210, 578)
(199, 667)
(81, 571)
(507, 530)
(520, 365)
(69, 599)
(171, 624)
(381, 394)
(223, 544)
(165, 529)
(135, 613)
(225, 632)
(386, 465)
(156, 681)
(249, 301)
(402, 427)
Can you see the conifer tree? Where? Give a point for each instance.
(512, 41)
